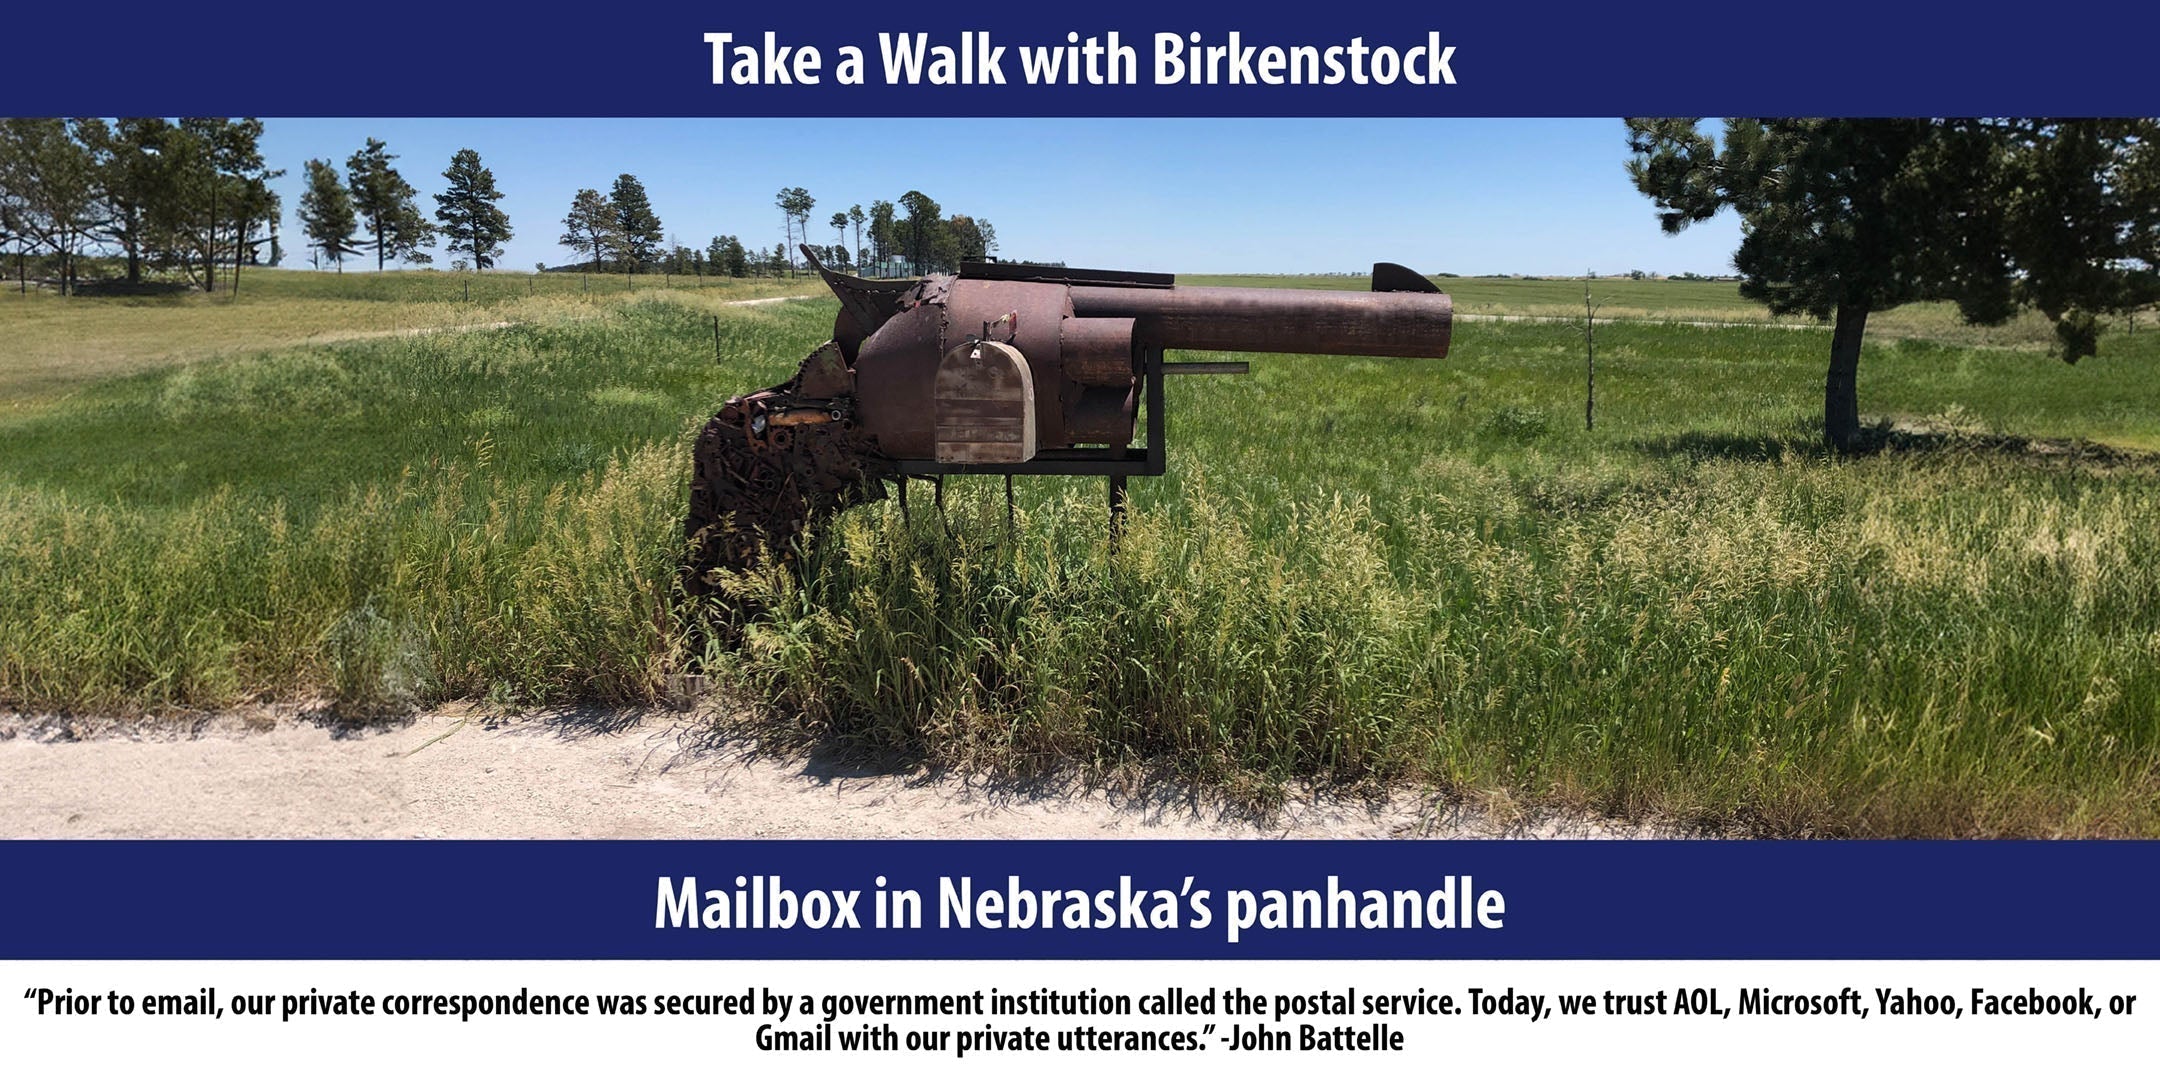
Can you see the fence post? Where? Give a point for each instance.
(1589, 409)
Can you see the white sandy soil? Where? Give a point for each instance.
(651, 774)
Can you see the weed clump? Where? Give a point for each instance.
(1190, 641)
(375, 665)
(1514, 423)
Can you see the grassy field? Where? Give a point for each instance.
(55, 343)
(1363, 571)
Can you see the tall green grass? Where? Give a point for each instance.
(462, 584)
(492, 514)
(1191, 640)
(1783, 648)
(1368, 571)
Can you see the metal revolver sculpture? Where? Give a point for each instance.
(1004, 368)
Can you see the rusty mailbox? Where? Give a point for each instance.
(1005, 368)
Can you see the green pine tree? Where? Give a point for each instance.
(385, 205)
(637, 228)
(326, 213)
(470, 219)
(1845, 217)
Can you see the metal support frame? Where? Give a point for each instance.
(1118, 463)
(1146, 460)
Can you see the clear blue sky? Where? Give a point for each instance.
(1194, 196)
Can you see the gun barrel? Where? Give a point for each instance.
(1413, 324)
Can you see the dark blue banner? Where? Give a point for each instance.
(1078, 900)
(1394, 59)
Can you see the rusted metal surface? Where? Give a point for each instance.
(895, 373)
(1020, 370)
(1099, 352)
(766, 466)
(1104, 415)
(1279, 320)
(825, 374)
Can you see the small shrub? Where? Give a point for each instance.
(1515, 423)
(377, 665)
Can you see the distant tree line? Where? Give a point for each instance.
(371, 208)
(619, 232)
(920, 236)
(192, 196)
(188, 195)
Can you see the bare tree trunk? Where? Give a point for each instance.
(1841, 396)
(239, 242)
(210, 249)
(70, 239)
